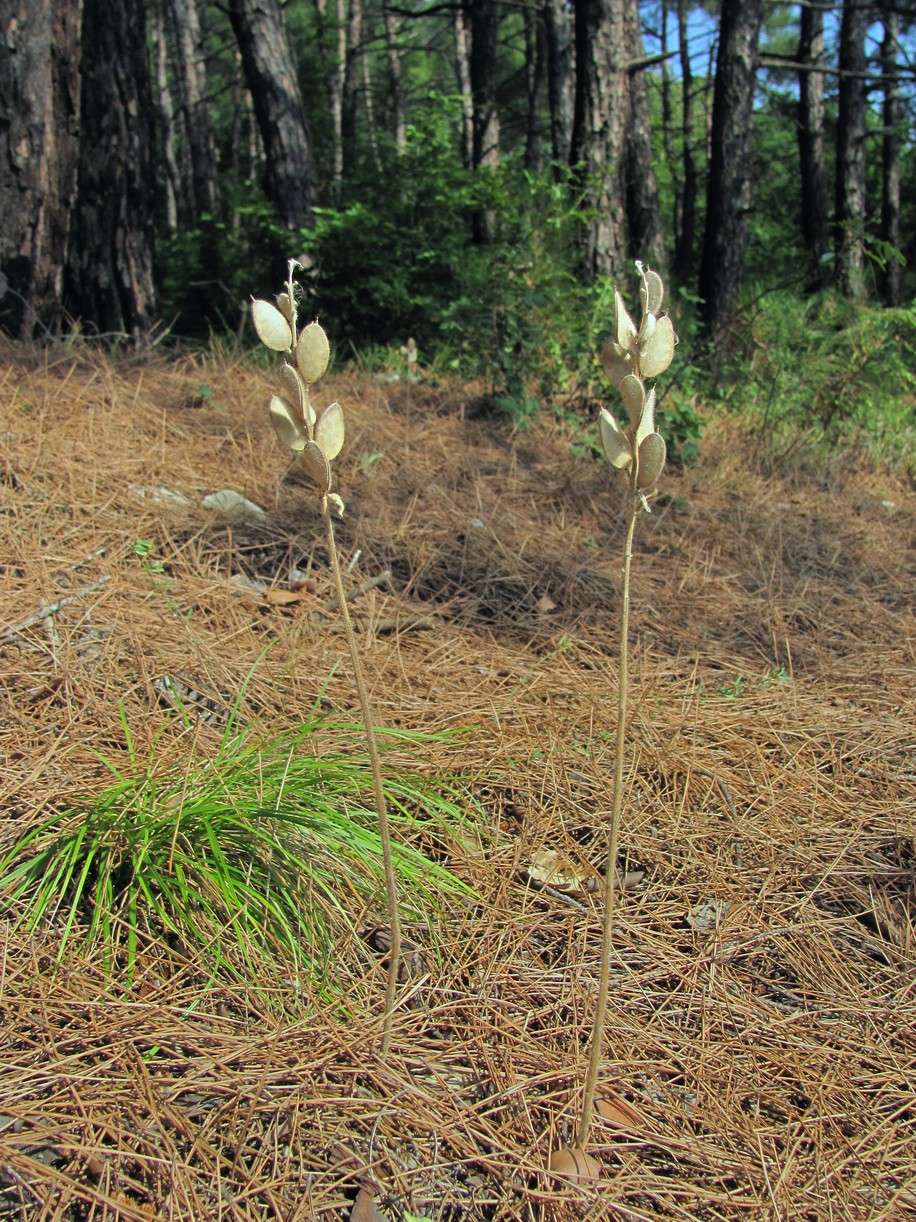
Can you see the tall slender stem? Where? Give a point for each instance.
(381, 805)
(607, 932)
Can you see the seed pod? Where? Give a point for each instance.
(614, 441)
(329, 431)
(285, 307)
(651, 292)
(651, 462)
(313, 352)
(659, 350)
(647, 419)
(287, 422)
(615, 362)
(272, 328)
(624, 327)
(633, 394)
(293, 388)
(316, 466)
(336, 504)
(575, 1165)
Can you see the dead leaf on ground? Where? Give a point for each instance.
(547, 868)
(285, 598)
(365, 1209)
(575, 1165)
(619, 1113)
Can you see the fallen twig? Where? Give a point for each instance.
(51, 609)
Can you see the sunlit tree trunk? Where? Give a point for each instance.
(850, 156)
(812, 162)
(599, 130)
(558, 29)
(890, 150)
(463, 75)
(109, 281)
(729, 180)
(290, 177)
(644, 214)
(40, 51)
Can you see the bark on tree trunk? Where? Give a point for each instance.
(644, 214)
(812, 161)
(534, 71)
(39, 153)
(395, 81)
(290, 177)
(463, 74)
(890, 156)
(482, 18)
(109, 282)
(850, 157)
(728, 186)
(686, 230)
(352, 54)
(558, 28)
(598, 139)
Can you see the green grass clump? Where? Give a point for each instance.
(259, 859)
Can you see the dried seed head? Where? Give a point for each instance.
(633, 394)
(287, 422)
(285, 306)
(651, 462)
(313, 352)
(336, 504)
(614, 442)
(316, 466)
(272, 328)
(329, 431)
(658, 350)
(615, 362)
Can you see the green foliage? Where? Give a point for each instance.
(251, 863)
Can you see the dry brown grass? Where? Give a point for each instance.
(772, 1059)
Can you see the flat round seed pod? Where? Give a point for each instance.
(285, 307)
(658, 351)
(313, 352)
(652, 292)
(294, 389)
(272, 328)
(316, 466)
(614, 441)
(624, 327)
(329, 431)
(633, 394)
(575, 1164)
(651, 461)
(646, 420)
(287, 423)
(615, 362)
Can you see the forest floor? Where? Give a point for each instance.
(762, 1014)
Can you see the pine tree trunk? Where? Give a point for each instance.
(463, 75)
(290, 176)
(890, 156)
(599, 130)
(40, 51)
(534, 72)
(850, 156)
(179, 22)
(482, 23)
(685, 235)
(353, 53)
(812, 161)
(395, 81)
(558, 29)
(109, 281)
(729, 181)
(644, 214)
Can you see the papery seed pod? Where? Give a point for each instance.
(651, 461)
(293, 388)
(646, 330)
(659, 351)
(336, 504)
(272, 328)
(624, 327)
(287, 422)
(651, 291)
(633, 394)
(329, 431)
(615, 362)
(614, 442)
(316, 466)
(284, 305)
(646, 423)
(313, 352)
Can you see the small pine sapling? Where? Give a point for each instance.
(316, 439)
(637, 452)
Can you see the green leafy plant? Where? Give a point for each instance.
(637, 452)
(239, 860)
(316, 440)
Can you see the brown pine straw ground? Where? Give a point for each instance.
(769, 1052)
